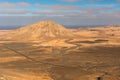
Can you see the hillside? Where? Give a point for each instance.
(40, 30)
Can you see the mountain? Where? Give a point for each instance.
(41, 30)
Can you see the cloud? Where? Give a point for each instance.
(61, 7)
(87, 16)
(94, 0)
(37, 4)
(65, 14)
(72, 18)
(23, 4)
(77, 19)
(7, 5)
(56, 10)
(50, 13)
(70, 10)
(14, 11)
(70, 0)
(14, 5)
(95, 11)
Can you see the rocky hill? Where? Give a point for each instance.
(41, 30)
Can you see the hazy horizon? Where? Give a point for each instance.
(65, 12)
(67, 26)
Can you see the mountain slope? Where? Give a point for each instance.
(41, 30)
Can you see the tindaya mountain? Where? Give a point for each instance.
(41, 30)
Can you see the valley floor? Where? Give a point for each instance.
(25, 61)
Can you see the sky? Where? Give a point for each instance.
(65, 12)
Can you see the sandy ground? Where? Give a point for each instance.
(24, 61)
(94, 55)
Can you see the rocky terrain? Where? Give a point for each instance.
(40, 30)
(48, 51)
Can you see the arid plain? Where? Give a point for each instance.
(49, 51)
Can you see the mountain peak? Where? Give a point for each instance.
(46, 23)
